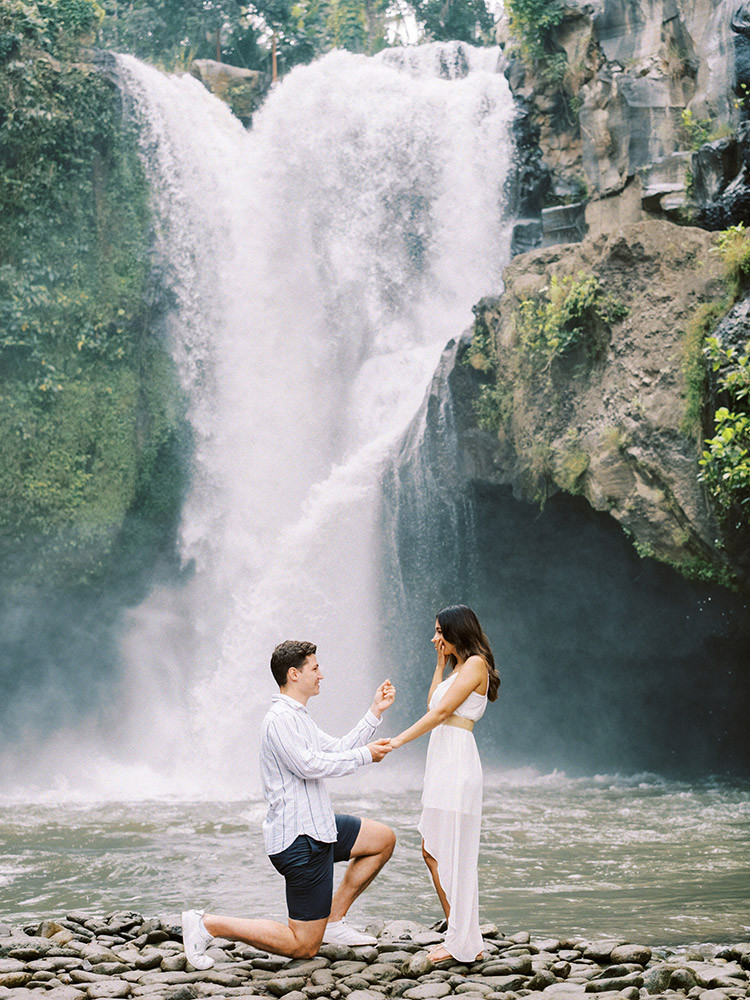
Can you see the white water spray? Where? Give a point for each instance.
(319, 264)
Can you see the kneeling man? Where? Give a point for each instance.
(303, 837)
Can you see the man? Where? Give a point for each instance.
(303, 837)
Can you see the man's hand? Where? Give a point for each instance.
(384, 698)
(379, 749)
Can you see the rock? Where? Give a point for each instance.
(614, 983)
(564, 224)
(636, 953)
(281, 986)
(343, 969)
(14, 979)
(656, 979)
(64, 993)
(541, 980)
(337, 952)
(428, 991)
(613, 424)
(365, 995)
(683, 980)
(110, 989)
(508, 964)
(419, 965)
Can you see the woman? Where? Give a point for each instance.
(452, 796)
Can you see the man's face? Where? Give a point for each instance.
(309, 677)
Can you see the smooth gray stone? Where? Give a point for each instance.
(84, 976)
(322, 976)
(64, 993)
(473, 987)
(173, 963)
(14, 979)
(343, 969)
(428, 991)
(507, 965)
(280, 987)
(114, 988)
(402, 929)
(614, 984)
(548, 944)
(381, 972)
(273, 962)
(627, 953)
(11, 965)
(601, 951)
(306, 966)
(170, 978)
(418, 965)
(296, 995)
(707, 973)
(110, 968)
(337, 952)
(502, 984)
(682, 979)
(149, 960)
(541, 979)
(365, 995)
(656, 979)
(355, 982)
(55, 964)
(182, 993)
(314, 991)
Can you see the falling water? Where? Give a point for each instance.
(318, 264)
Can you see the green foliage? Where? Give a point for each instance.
(173, 32)
(567, 316)
(733, 246)
(725, 463)
(494, 403)
(532, 24)
(705, 318)
(87, 391)
(698, 131)
(462, 20)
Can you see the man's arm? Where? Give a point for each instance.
(288, 743)
(364, 730)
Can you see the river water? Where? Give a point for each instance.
(640, 858)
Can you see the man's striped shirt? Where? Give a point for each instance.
(295, 756)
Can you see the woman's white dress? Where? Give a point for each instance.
(451, 818)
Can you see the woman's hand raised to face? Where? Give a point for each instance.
(439, 643)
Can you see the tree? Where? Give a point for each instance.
(460, 20)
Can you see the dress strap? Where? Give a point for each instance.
(459, 722)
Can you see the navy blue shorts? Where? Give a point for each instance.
(307, 866)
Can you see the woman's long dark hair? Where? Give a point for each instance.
(461, 628)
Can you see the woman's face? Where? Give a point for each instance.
(440, 643)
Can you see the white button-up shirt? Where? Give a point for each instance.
(295, 756)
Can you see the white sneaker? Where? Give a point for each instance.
(339, 932)
(195, 939)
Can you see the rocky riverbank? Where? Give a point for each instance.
(125, 955)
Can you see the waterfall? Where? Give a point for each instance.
(319, 263)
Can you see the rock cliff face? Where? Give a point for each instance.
(613, 424)
(612, 131)
(617, 161)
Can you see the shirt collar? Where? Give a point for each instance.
(289, 701)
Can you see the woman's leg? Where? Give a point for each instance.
(433, 867)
